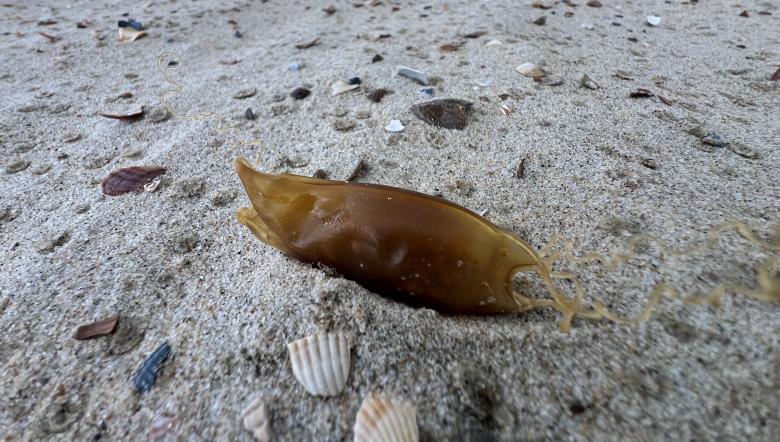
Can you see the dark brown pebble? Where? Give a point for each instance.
(299, 93)
(641, 93)
(377, 58)
(520, 172)
(541, 21)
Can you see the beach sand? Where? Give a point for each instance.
(176, 266)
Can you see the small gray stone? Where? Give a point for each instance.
(97, 162)
(362, 114)
(158, 114)
(342, 124)
(17, 166)
(649, 163)
(132, 152)
(8, 214)
(70, 137)
(276, 98)
(713, 140)
(23, 147)
(338, 111)
(47, 245)
(81, 208)
(742, 150)
(185, 243)
(222, 196)
(186, 188)
(280, 109)
(697, 131)
(41, 169)
(245, 93)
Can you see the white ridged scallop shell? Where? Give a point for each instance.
(386, 420)
(255, 420)
(321, 363)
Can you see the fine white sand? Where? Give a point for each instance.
(177, 267)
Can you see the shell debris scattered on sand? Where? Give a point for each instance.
(321, 363)
(381, 419)
(339, 87)
(255, 420)
(127, 35)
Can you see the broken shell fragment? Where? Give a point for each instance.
(377, 94)
(96, 329)
(255, 420)
(129, 115)
(653, 20)
(339, 87)
(394, 126)
(493, 42)
(147, 373)
(161, 425)
(587, 83)
(531, 70)
(130, 179)
(413, 74)
(447, 113)
(505, 109)
(321, 363)
(386, 420)
(128, 34)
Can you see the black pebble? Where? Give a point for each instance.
(377, 58)
(299, 93)
(249, 115)
(238, 34)
(354, 80)
(147, 373)
(130, 23)
(173, 63)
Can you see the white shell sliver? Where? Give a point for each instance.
(386, 420)
(255, 420)
(321, 363)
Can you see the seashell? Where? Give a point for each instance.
(376, 95)
(394, 126)
(130, 115)
(255, 420)
(447, 113)
(413, 74)
(588, 83)
(130, 179)
(129, 34)
(95, 329)
(531, 70)
(386, 420)
(493, 42)
(146, 376)
(505, 109)
(308, 43)
(653, 20)
(321, 363)
(339, 87)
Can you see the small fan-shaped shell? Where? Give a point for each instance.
(321, 363)
(255, 420)
(386, 420)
